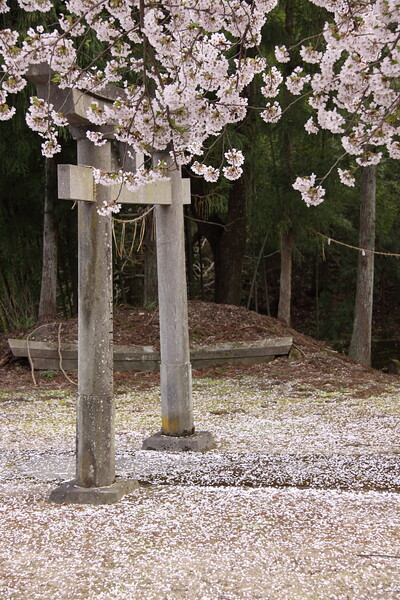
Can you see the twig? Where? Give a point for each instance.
(6, 359)
(29, 350)
(224, 226)
(60, 356)
(152, 318)
(379, 555)
(299, 349)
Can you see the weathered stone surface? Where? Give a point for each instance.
(46, 355)
(71, 493)
(75, 183)
(70, 101)
(198, 442)
(95, 407)
(175, 368)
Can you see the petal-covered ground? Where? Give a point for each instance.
(299, 499)
(191, 543)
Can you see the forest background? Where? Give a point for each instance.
(250, 242)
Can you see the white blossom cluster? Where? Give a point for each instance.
(233, 170)
(312, 194)
(132, 180)
(359, 70)
(355, 90)
(181, 67)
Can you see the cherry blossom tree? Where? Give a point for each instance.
(354, 86)
(180, 65)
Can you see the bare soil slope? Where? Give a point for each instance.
(311, 363)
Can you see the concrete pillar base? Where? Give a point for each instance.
(198, 442)
(71, 493)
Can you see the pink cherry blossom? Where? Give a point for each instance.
(182, 67)
(281, 54)
(272, 112)
(310, 126)
(187, 85)
(347, 177)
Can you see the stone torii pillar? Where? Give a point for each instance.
(76, 184)
(95, 480)
(177, 431)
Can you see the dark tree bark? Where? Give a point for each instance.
(285, 287)
(150, 293)
(360, 347)
(286, 239)
(48, 289)
(71, 268)
(5, 289)
(228, 243)
(227, 236)
(230, 249)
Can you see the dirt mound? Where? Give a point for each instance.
(311, 362)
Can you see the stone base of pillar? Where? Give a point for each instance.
(71, 493)
(198, 442)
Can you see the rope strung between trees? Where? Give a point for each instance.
(362, 250)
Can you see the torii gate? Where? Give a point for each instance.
(95, 480)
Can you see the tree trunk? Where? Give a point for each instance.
(48, 289)
(230, 249)
(227, 241)
(72, 262)
(285, 288)
(360, 347)
(150, 293)
(5, 301)
(286, 241)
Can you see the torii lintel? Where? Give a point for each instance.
(76, 183)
